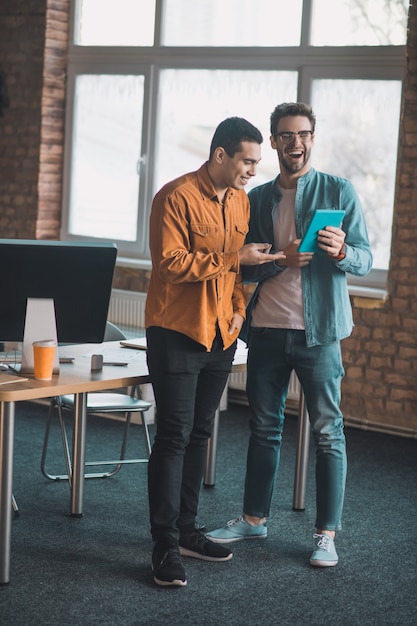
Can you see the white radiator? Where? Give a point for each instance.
(127, 310)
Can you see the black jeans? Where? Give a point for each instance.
(188, 383)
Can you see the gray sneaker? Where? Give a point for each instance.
(237, 530)
(325, 554)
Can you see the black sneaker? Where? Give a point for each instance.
(197, 545)
(167, 568)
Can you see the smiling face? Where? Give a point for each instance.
(294, 157)
(236, 171)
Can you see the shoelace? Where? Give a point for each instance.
(324, 542)
(199, 537)
(234, 522)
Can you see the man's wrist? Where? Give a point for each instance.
(232, 261)
(341, 255)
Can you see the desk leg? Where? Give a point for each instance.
(303, 439)
(6, 478)
(210, 469)
(78, 454)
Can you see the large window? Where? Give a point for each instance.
(149, 80)
(104, 186)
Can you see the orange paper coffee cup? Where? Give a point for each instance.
(43, 358)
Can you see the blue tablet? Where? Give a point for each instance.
(319, 221)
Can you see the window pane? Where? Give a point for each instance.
(105, 155)
(121, 23)
(359, 22)
(356, 138)
(232, 23)
(194, 102)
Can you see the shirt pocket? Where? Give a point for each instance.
(239, 233)
(205, 237)
(242, 228)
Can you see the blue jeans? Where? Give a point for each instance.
(273, 354)
(188, 383)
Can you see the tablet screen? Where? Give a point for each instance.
(319, 221)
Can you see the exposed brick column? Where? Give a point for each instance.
(22, 41)
(52, 120)
(380, 358)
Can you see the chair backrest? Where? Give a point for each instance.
(113, 333)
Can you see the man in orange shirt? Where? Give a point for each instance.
(194, 311)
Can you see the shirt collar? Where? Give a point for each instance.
(303, 179)
(206, 184)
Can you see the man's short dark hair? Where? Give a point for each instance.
(291, 108)
(230, 133)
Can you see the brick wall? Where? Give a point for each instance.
(33, 52)
(22, 40)
(52, 120)
(379, 389)
(380, 386)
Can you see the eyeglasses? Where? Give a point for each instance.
(287, 137)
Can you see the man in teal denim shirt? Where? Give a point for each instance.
(296, 318)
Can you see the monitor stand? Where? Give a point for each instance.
(40, 324)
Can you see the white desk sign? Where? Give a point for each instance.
(40, 324)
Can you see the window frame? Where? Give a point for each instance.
(310, 62)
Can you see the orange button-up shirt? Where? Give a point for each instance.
(194, 242)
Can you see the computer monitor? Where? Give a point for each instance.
(77, 276)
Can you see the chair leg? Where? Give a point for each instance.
(136, 392)
(146, 435)
(122, 457)
(55, 403)
(122, 454)
(15, 507)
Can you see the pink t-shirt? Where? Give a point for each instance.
(280, 302)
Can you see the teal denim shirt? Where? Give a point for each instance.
(327, 308)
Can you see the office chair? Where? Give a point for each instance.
(101, 402)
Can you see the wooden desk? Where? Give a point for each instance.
(75, 378)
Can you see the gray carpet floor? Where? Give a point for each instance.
(96, 570)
